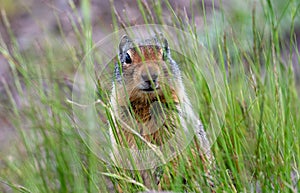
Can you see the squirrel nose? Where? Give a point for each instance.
(147, 78)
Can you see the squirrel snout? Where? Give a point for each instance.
(149, 79)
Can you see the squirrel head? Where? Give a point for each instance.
(158, 40)
(143, 66)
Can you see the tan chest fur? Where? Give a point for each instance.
(148, 126)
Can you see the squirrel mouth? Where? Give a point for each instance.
(149, 89)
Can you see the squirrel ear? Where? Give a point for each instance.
(165, 45)
(124, 40)
(163, 40)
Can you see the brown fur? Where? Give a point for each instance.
(141, 101)
(148, 59)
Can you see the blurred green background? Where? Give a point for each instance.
(253, 40)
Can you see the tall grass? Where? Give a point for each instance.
(257, 149)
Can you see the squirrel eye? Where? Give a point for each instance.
(127, 59)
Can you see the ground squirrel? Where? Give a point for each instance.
(145, 74)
